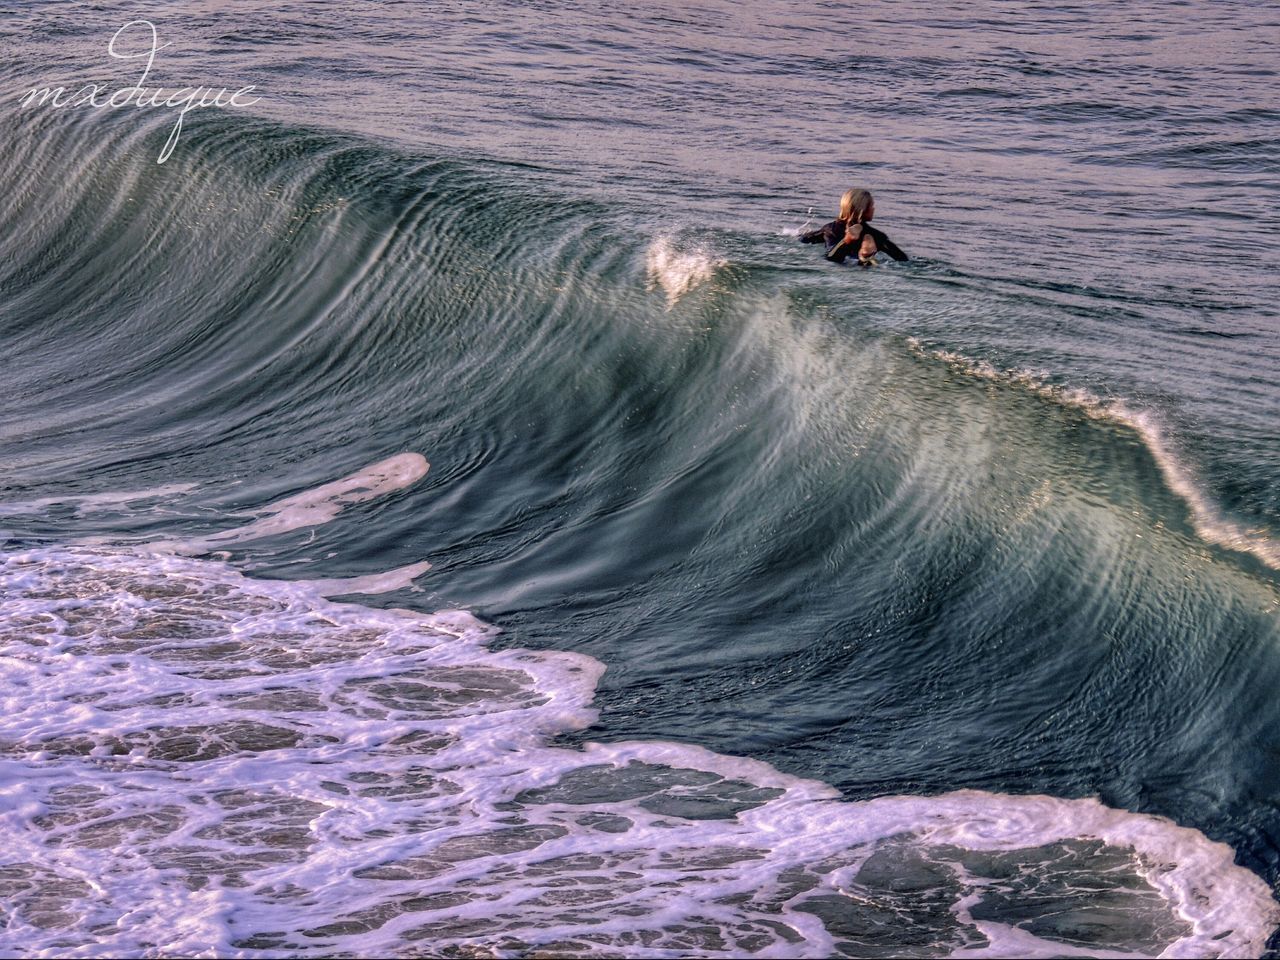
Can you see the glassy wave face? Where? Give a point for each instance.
(747, 606)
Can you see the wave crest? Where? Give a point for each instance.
(1208, 519)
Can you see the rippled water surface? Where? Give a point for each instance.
(697, 596)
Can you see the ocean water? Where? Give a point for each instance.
(444, 511)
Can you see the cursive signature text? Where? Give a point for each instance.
(184, 100)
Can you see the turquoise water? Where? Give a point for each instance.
(930, 608)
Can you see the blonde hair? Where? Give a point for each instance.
(855, 203)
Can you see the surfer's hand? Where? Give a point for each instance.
(853, 233)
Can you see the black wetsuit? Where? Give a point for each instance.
(834, 232)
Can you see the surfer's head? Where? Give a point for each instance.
(857, 205)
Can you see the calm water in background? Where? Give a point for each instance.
(1001, 519)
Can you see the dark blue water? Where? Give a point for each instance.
(1000, 519)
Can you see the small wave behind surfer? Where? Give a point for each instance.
(850, 232)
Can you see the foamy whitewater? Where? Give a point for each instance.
(331, 778)
(749, 606)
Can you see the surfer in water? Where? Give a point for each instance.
(851, 232)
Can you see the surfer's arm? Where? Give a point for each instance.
(828, 233)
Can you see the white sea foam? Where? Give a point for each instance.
(372, 583)
(96, 502)
(1208, 520)
(316, 506)
(196, 763)
(677, 270)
